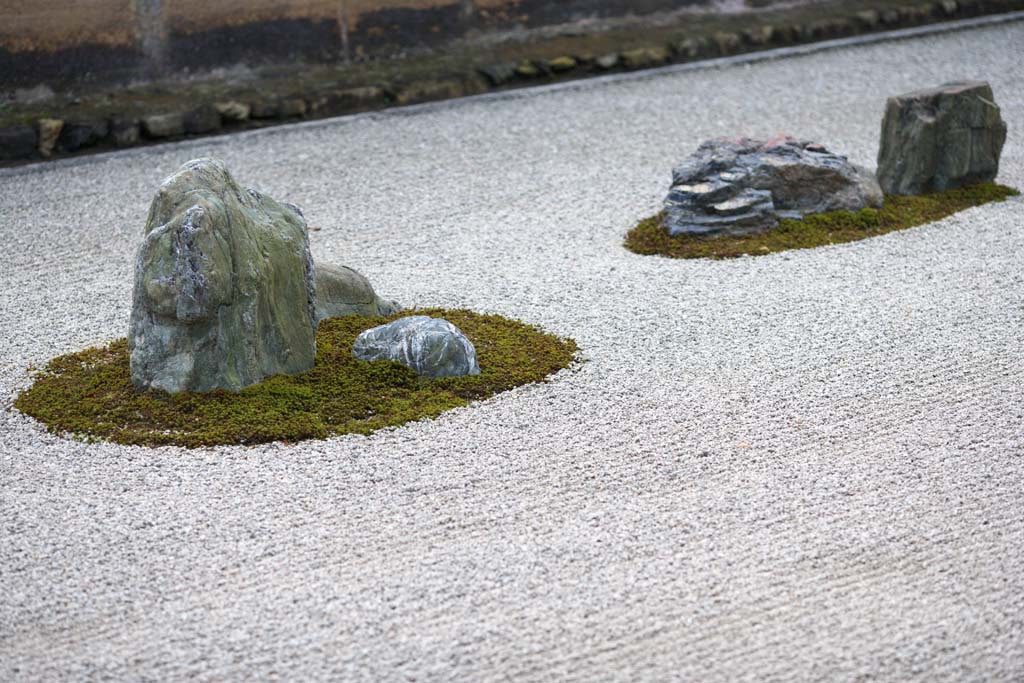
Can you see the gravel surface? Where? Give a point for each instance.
(798, 467)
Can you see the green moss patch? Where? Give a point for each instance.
(90, 394)
(897, 213)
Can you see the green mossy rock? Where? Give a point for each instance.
(341, 291)
(224, 286)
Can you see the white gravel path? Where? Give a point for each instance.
(798, 467)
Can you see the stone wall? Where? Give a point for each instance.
(59, 42)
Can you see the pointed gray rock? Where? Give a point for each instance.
(940, 139)
(432, 347)
(224, 286)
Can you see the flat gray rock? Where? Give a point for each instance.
(941, 138)
(224, 286)
(432, 347)
(342, 291)
(743, 186)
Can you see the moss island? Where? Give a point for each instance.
(89, 394)
(897, 213)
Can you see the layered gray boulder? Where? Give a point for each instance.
(342, 291)
(432, 347)
(224, 286)
(742, 186)
(941, 138)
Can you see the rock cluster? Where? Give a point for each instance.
(742, 186)
(226, 292)
(432, 347)
(940, 138)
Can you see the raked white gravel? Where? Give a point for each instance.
(798, 467)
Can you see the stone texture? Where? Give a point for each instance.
(727, 43)
(498, 74)
(644, 57)
(345, 100)
(203, 119)
(124, 131)
(75, 135)
(49, 132)
(690, 48)
(742, 186)
(233, 111)
(342, 291)
(940, 138)
(264, 109)
(224, 286)
(17, 142)
(428, 91)
(292, 106)
(432, 347)
(164, 125)
(564, 63)
(527, 69)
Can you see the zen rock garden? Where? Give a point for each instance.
(228, 298)
(227, 294)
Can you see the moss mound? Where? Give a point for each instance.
(90, 393)
(897, 213)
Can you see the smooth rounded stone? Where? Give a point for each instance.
(527, 69)
(743, 186)
(224, 286)
(941, 138)
(164, 125)
(431, 347)
(342, 291)
(564, 63)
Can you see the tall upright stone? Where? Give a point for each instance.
(224, 286)
(941, 138)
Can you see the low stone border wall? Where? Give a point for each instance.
(77, 126)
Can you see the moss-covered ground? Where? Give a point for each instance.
(897, 213)
(89, 393)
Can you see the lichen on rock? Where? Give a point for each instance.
(224, 286)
